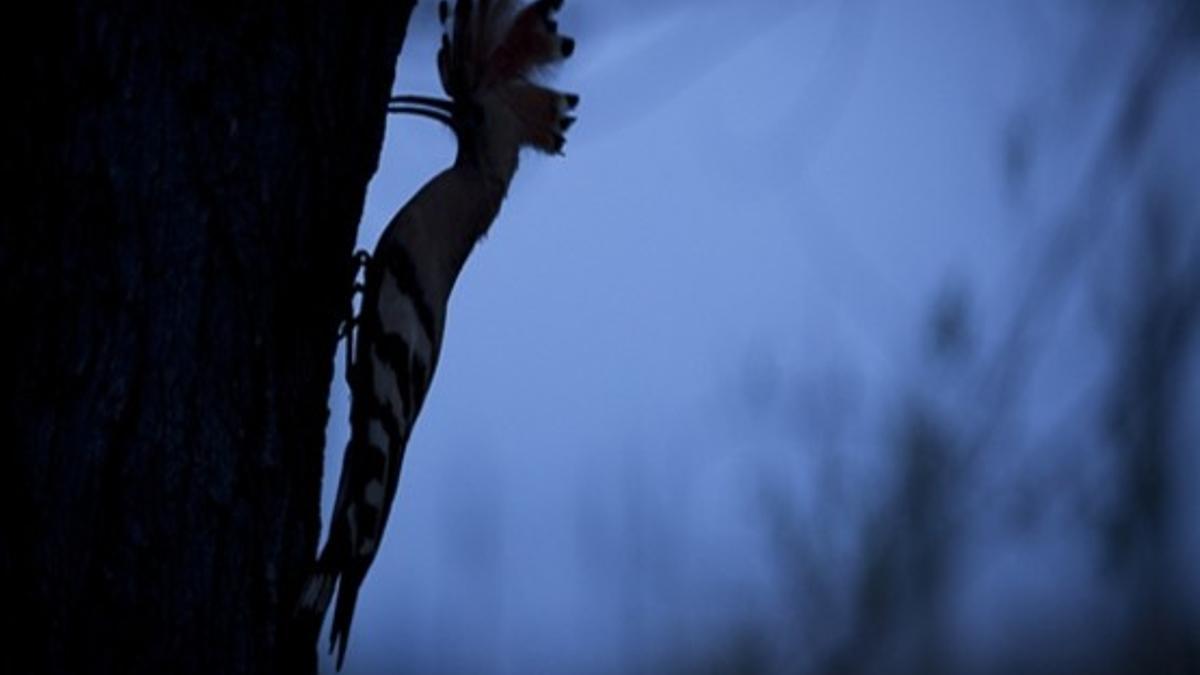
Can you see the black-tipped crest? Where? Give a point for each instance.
(490, 53)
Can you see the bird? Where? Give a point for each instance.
(491, 54)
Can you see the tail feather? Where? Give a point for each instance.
(343, 614)
(318, 591)
(313, 602)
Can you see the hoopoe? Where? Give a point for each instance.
(490, 51)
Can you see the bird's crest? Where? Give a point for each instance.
(491, 49)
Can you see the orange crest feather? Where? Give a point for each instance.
(492, 48)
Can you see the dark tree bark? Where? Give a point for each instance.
(183, 183)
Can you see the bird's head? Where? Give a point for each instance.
(491, 50)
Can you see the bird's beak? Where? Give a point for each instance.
(438, 109)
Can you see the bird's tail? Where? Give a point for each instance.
(343, 613)
(314, 600)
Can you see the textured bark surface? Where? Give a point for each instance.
(183, 186)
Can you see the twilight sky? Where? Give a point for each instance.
(736, 263)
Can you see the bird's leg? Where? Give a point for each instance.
(350, 323)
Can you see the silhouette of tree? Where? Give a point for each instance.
(183, 186)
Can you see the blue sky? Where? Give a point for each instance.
(757, 210)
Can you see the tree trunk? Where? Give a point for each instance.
(183, 186)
